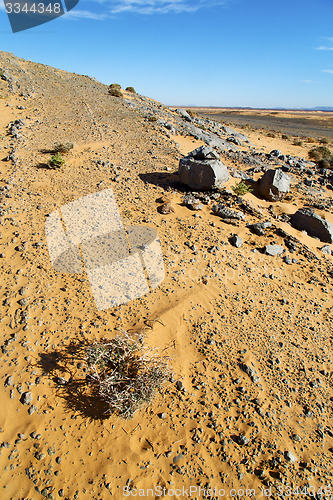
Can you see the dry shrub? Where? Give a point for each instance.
(320, 153)
(115, 92)
(127, 373)
(115, 86)
(63, 147)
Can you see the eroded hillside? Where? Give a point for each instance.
(249, 335)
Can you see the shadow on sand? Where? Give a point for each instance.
(163, 179)
(80, 393)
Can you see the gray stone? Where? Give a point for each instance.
(274, 185)
(26, 398)
(9, 381)
(192, 202)
(307, 220)
(326, 249)
(234, 140)
(60, 381)
(260, 227)
(184, 114)
(236, 241)
(202, 169)
(242, 440)
(273, 250)
(251, 372)
(227, 214)
(290, 457)
(276, 153)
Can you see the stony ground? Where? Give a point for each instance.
(249, 336)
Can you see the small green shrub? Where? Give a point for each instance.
(285, 137)
(271, 134)
(320, 153)
(152, 118)
(56, 161)
(131, 89)
(115, 92)
(324, 141)
(115, 86)
(63, 147)
(297, 143)
(241, 188)
(126, 372)
(311, 140)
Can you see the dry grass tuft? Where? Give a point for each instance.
(127, 373)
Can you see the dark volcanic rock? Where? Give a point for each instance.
(260, 228)
(202, 169)
(227, 213)
(307, 220)
(236, 241)
(274, 185)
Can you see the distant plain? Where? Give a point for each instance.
(295, 122)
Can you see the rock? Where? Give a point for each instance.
(192, 202)
(26, 398)
(273, 250)
(274, 185)
(60, 381)
(326, 249)
(236, 241)
(184, 114)
(167, 125)
(9, 381)
(251, 372)
(202, 169)
(290, 457)
(227, 214)
(260, 227)
(276, 153)
(166, 208)
(307, 220)
(242, 440)
(234, 140)
(179, 385)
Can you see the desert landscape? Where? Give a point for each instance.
(304, 124)
(243, 318)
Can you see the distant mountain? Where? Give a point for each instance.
(322, 108)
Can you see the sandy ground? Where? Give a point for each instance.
(219, 308)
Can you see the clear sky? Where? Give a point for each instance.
(259, 53)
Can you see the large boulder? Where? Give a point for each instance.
(274, 185)
(202, 169)
(307, 220)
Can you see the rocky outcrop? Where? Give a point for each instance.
(274, 185)
(227, 214)
(307, 220)
(202, 169)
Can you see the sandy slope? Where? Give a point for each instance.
(219, 307)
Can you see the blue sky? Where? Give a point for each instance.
(259, 53)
